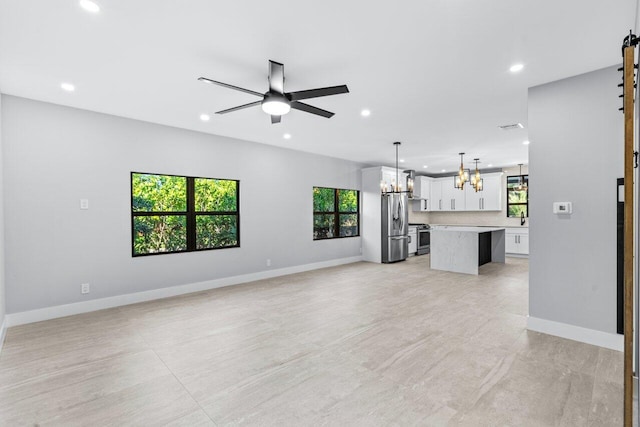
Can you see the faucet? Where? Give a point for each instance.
(522, 220)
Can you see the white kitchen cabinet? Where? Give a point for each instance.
(422, 192)
(436, 196)
(489, 199)
(472, 199)
(413, 243)
(517, 241)
(491, 192)
(452, 198)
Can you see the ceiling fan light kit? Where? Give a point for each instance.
(276, 102)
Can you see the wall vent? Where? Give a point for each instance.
(511, 127)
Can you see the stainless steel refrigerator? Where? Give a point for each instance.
(395, 227)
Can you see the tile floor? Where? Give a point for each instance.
(362, 344)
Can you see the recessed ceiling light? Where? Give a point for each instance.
(489, 165)
(287, 136)
(516, 67)
(401, 160)
(444, 170)
(425, 166)
(68, 87)
(89, 6)
(525, 142)
(205, 117)
(365, 113)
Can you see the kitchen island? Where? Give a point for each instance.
(464, 249)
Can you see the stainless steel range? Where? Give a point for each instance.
(424, 238)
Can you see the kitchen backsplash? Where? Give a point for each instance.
(466, 218)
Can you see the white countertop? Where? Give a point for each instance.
(466, 229)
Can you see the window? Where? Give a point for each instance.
(336, 213)
(181, 214)
(517, 200)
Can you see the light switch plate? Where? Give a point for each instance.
(84, 203)
(562, 208)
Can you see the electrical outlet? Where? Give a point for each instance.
(268, 263)
(84, 288)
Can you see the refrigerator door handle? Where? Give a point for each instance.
(400, 238)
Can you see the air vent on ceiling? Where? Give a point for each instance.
(511, 127)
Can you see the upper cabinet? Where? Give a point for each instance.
(452, 198)
(422, 194)
(491, 195)
(436, 195)
(439, 194)
(489, 199)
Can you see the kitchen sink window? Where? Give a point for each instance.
(336, 213)
(172, 213)
(518, 196)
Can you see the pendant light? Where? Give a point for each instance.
(522, 186)
(463, 175)
(476, 180)
(396, 185)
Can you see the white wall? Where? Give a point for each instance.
(2, 268)
(576, 134)
(494, 218)
(55, 155)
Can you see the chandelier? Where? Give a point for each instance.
(462, 177)
(476, 180)
(396, 185)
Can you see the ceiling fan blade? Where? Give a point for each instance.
(240, 107)
(316, 93)
(311, 109)
(276, 77)
(206, 80)
(275, 119)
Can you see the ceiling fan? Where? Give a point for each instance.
(276, 102)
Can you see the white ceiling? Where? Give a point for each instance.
(435, 74)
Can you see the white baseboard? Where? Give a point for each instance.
(54, 312)
(517, 255)
(576, 333)
(3, 332)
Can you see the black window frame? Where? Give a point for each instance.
(190, 214)
(525, 204)
(336, 213)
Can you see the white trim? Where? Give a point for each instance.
(54, 312)
(516, 255)
(576, 333)
(3, 332)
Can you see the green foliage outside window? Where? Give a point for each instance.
(162, 205)
(517, 199)
(329, 222)
(213, 195)
(159, 193)
(324, 199)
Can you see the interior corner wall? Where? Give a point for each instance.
(576, 155)
(2, 268)
(55, 155)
